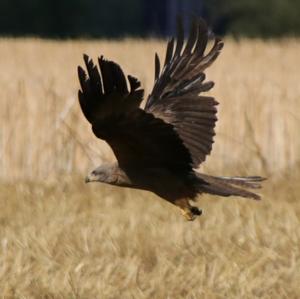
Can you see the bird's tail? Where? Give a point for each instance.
(227, 186)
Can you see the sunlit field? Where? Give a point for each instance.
(61, 238)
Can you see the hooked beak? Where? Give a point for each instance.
(91, 178)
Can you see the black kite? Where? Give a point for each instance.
(158, 147)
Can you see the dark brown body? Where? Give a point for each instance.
(177, 187)
(168, 185)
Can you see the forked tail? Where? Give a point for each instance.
(227, 186)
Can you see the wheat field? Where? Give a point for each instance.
(60, 238)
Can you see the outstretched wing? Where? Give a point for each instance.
(175, 96)
(136, 137)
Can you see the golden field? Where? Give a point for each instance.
(60, 238)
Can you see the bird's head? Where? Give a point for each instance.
(103, 173)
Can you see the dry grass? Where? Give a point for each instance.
(41, 119)
(62, 239)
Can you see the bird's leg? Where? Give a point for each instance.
(188, 211)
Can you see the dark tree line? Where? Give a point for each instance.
(265, 18)
(70, 18)
(115, 18)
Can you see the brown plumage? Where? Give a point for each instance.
(158, 147)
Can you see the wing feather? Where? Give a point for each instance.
(169, 52)
(157, 67)
(180, 37)
(176, 98)
(176, 128)
(137, 137)
(192, 38)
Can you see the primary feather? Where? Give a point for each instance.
(176, 93)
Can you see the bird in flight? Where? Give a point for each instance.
(159, 147)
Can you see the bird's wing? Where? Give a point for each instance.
(136, 137)
(176, 98)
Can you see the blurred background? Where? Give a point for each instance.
(115, 18)
(61, 238)
(43, 41)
